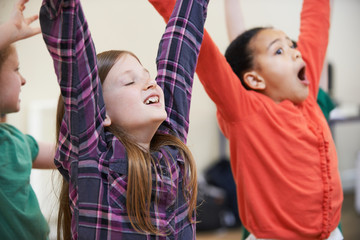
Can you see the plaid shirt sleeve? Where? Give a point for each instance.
(176, 61)
(66, 34)
(69, 42)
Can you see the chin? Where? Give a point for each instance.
(301, 97)
(299, 100)
(160, 120)
(164, 116)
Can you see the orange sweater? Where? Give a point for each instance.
(283, 156)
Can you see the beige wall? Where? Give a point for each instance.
(134, 25)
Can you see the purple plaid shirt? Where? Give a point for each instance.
(93, 160)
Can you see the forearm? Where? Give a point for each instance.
(177, 59)
(7, 34)
(45, 157)
(313, 38)
(181, 44)
(68, 39)
(64, 33)
(234, 19)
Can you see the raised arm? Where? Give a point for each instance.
(17, 27)
(313, 39)
(234, 19)
(213, 70)
(176, 62)
(68, 39)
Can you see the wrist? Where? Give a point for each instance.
(9, 33)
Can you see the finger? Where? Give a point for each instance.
(31, 19)
(21, 5)
(22, 2)
(32, 32)
(36, 30)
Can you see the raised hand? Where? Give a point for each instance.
(17, 27)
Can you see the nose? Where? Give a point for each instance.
(23, 80)
(296, 54)
(151, 83)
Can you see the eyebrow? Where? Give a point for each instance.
(276, 40)
(131, 71)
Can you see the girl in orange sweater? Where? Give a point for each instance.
(283, 156)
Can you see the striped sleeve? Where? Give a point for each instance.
(67, 36)
(177, 59)
(68, 39)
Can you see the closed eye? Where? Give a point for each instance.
(129, 83)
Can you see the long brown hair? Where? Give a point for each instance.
(64, 214)
(140, 162)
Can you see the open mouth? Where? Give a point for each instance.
(152, 100)
(301, 74)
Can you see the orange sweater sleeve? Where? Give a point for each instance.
(314, 34)
(163, 7)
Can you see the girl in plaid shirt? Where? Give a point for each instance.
(128, 171)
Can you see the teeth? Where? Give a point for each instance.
(152, 100)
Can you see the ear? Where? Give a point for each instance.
(254, 81)
(107, 121)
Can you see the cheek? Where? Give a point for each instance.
(11, 84)
(161, 93)
(120, 103)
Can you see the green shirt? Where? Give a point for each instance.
(20, 215)
(325, 102)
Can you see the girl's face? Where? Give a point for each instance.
(10, 84)
(133, 100)
(280, 65)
